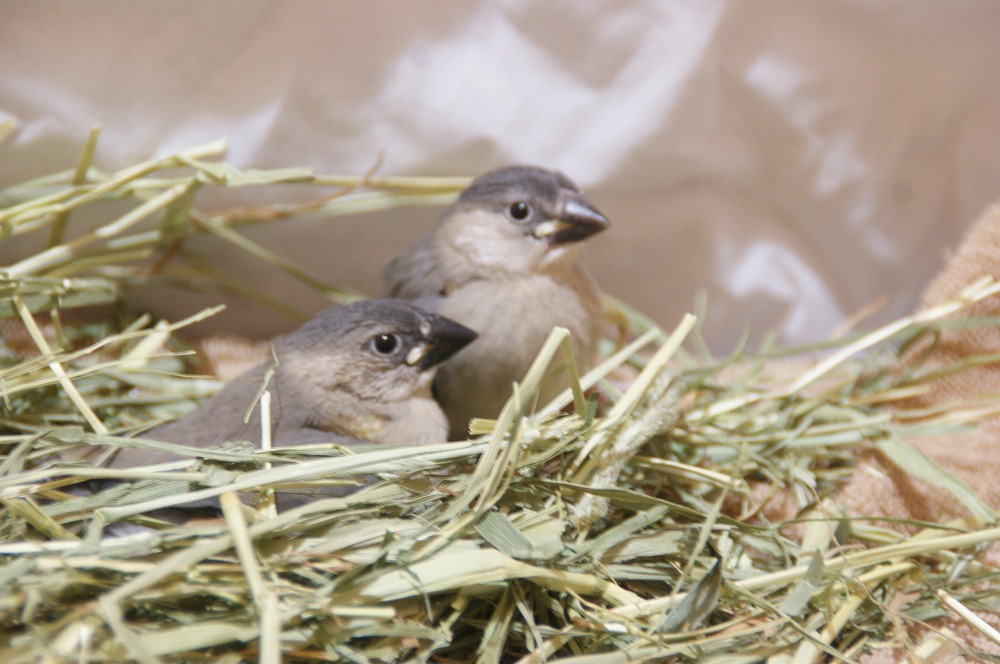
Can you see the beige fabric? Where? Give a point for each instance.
(794, 160)
(976, 256)
(879, 489)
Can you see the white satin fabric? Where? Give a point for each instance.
(794, 160)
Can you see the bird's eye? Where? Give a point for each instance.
(385, 344)
(520, 211)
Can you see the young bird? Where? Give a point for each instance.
(358, 372)
(503, 261)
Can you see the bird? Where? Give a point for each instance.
(359, 372)
(503, 261)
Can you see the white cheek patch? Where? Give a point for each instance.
(416, 354)
(546, 228)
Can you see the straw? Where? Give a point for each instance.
(624, 528)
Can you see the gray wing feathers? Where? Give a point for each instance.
(414, 272)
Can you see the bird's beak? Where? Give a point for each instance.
(444, 338)
(577, 220)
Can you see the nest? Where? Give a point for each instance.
(629, 520)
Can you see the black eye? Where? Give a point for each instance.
(520, 211)
(385, 344)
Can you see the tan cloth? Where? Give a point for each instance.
(877, 488)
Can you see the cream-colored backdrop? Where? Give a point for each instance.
(795, 160)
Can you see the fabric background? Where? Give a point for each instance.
(795, 161)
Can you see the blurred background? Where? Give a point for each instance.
(794, 162)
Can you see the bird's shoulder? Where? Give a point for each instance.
(416, 271)
(221, 417)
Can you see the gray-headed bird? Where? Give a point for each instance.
(503, 261)
(357, 372)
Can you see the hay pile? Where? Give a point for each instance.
(629, 520)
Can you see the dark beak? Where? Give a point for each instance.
(577, 220)
(445, 339)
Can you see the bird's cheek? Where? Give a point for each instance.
(493, 252)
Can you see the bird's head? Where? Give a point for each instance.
(364, 358)
(520, 218)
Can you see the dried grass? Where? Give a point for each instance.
(616, 524)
